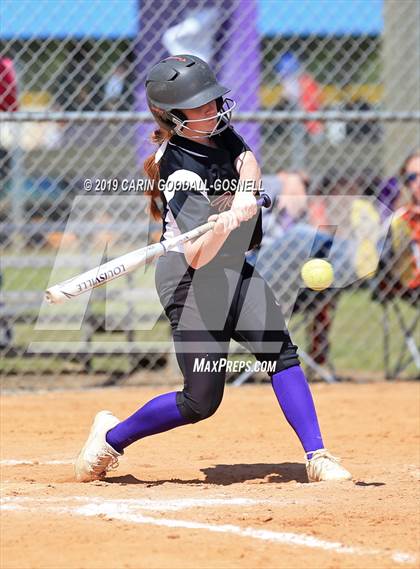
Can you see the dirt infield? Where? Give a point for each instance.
(228, 492)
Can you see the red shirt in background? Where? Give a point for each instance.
(8, 85)
(310, 100)
(411, 216)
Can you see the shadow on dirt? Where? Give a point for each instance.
(364, 484)
(225, 474)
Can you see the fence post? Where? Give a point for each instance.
(401, 41)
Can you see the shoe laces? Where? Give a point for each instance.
(104, 462)
(324, 453)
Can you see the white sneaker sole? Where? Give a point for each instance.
(81, 473)
(329, 477)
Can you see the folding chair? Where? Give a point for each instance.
(398, 279)
(409, 352)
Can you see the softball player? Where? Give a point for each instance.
(208, 290)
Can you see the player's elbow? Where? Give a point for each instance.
(192, 256)
(195, 262)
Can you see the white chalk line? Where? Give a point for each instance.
(149, 504)
(130, 511)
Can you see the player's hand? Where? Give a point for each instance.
(244, 205)
(226, 222)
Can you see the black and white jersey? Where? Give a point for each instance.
(198, 181)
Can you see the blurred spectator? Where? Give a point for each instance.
(360, 226)
(294, 223)
(300, 225)
(8, 85)
(398, 277)
(410, 175)
(405, 225)
(402, 190)
(300, 89)
(390, 229)
(119, 89)
(289, 239)
(8, 102)
(79, 87)
(352, 182)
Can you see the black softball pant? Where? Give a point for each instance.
(209, 307)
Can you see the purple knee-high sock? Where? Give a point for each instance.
(158, 415)
(295, 398)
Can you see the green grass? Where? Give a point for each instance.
(24, 334)
(356, 336)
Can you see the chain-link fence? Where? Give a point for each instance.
(327, 96)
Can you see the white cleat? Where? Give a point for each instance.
(97, 456)
(325, 466)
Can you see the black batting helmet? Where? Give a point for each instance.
(184, 82)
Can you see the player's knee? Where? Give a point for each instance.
(202, 412)
(195, 410)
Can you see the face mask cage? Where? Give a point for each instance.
(223, 117)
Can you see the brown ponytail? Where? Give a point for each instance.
(152, 171)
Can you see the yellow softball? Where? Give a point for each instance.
(317, 274)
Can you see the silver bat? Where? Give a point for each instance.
(120, 266)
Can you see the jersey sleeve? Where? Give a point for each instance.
(235, 144)
(187, 200)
